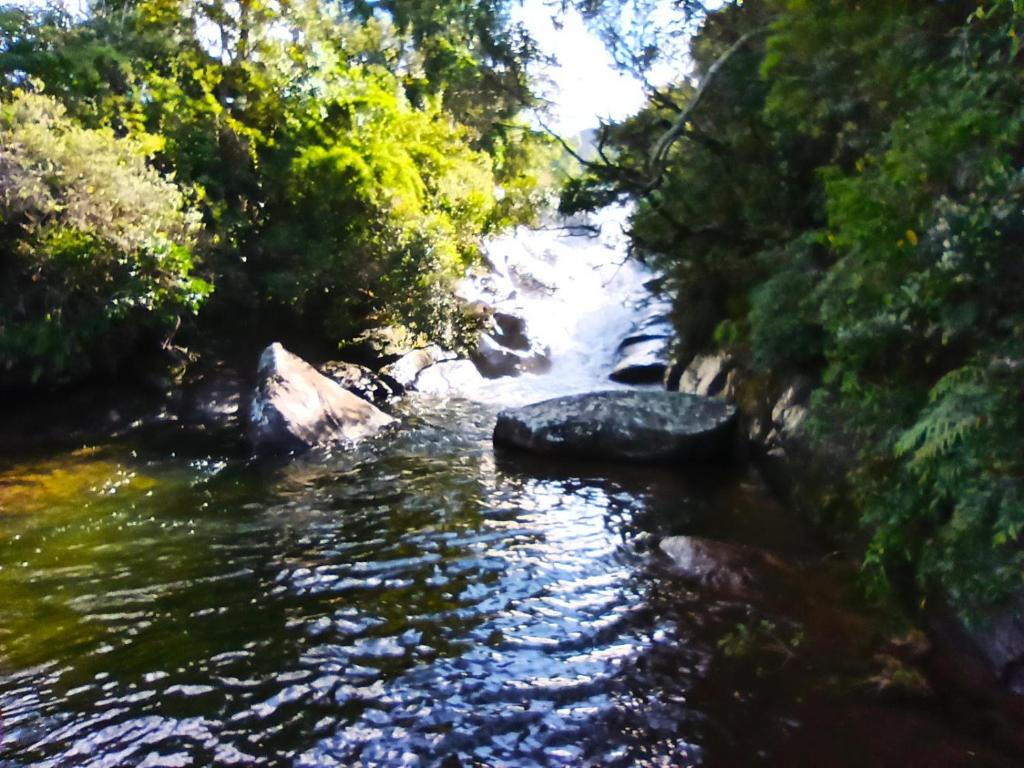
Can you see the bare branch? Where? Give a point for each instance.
(567, 146)
(659, 155)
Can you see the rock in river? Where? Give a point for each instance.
(726, 567)
(295, 407)
(634, 425)
(407, 369)
(360, 380)
(641, 360)
(494, 360)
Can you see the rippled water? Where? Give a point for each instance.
(416, 599)
(423, 601)
(419, 601)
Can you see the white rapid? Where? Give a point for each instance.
(580, 296)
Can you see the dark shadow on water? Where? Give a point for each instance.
(721, 501)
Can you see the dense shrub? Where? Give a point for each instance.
(346, 160)
(95, 246)
(849, 195)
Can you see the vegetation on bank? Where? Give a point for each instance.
(309, 169)
(839, 191)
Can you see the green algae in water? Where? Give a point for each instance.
(79, 526)
(64, 482)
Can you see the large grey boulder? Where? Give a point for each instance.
(295, 407)
(635, 425)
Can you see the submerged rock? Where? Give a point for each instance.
(295, 407)
(735, 569)
(634, 425)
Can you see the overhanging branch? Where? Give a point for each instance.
(659, 155)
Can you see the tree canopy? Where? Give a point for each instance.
(835, 189)
(339, 162)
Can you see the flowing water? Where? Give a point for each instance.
(423, 600)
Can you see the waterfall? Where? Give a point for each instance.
(579, 294)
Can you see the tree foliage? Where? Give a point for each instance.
(97, 245)
(344, 158)
(846, 200)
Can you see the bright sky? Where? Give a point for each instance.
(586, 86)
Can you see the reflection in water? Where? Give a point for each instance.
(413, 602)
(408, 599)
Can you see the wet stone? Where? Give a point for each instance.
(638, 426)
(361, 381)
(642, 361)
(296, 407)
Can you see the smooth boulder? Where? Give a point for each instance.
(494, 360)
(443, 379)
(651, 425)
(642, 357)
(407, 369)
(295, 407)
(510, 331)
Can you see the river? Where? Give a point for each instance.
(422, 600)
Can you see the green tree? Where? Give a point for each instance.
(95, 246)
(839, 192)
(345, 172)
